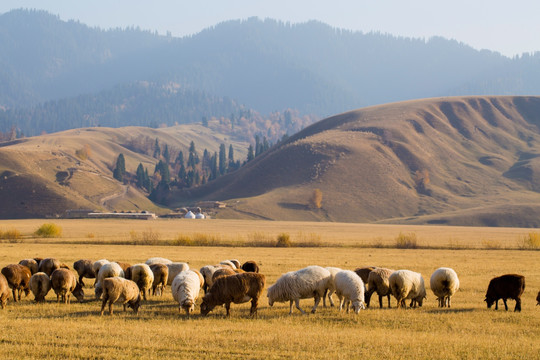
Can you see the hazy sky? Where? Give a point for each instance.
(510, 27)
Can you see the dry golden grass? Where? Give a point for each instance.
(467, 331)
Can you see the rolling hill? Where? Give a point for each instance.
(46, 175)
(456, 160)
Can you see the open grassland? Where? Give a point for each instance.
(466, 331)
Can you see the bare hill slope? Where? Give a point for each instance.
(49, 174)
(459, 160)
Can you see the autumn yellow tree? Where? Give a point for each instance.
(316, 199)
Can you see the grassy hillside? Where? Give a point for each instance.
(46, 175)
(461, 160)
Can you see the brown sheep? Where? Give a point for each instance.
(378, 281)
(161, 275)
(18, 278)
(119, 289)
(250, 266)
(40, 284)
(4, 291)
(123, 265)
(538, 299)
(226, 271)
(364, 272)
(509, 286)
(64, 283)
(48, 265)
(31, 264)
(83, 267)
(238, 288)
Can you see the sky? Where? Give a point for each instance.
(509, 27)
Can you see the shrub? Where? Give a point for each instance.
(283, 240)
(316, 199)
(49, 230)
(12, 235)
(491, 244)
(530, 241)
(83, 153)
(406, 241)
(146, 237)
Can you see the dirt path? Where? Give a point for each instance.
(104, 200)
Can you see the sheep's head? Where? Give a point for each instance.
(489, 302)
(98, 290)
(78, 292)
(135, 304)
(206, 307)
(357, 306)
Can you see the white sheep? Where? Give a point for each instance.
(108, 270)
(185, 290)
(406, 284)
(40, 285)
(97, 265)
(228, 263)
(350, 289)
(176, 268)
(332, 288)
(378, 282)
(158, 260)
(306, 283)
(444, 283)
(143, 276)
(119, 289)
(207, 273)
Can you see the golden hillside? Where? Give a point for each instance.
(458, 160)
(46, 175)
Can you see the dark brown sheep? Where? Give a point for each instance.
(226, 271)
(538, 299)
(4, 291)
(364, 272)
(238, 288)
(64, 283)
(123, 265)
(48, 265)
(161, 275)
(250, 266)
(83, 267)
(504, 287)
(18, 278)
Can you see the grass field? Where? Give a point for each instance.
(467, 331)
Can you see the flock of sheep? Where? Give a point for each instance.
(231, 282)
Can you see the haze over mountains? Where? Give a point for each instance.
(468, 160)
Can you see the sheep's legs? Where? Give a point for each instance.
(388, 296)
(340, 302)
(228, 308)
(103, 306)
(317, 301)
(505, 304)
(297, 301)
(518, 305)
(253, 310)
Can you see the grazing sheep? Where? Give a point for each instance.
(538, 299)
(238, 288)
(31, 264)
(378, 282)
(161, 275)
(364, 272)
(332, 287)
(236, 263)
(185, 290)
(509, 286)
(176, 268)
(201, 279)
(18, 278)
(444, 283)
(123, 265)
(106, 271)
(349, 289)
(143, 276)
(97, 265)
(158, 260)
(226, 271)
(306, 283)
(4, 291)
(406, 284)
(123, 290)
(250, 266)
(64, 283)
(83, 267)
(38, 260)
(207, 272)
(228, 263)
(40, 284)
(48, 265)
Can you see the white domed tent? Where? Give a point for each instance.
(199, 216)
(189, 215)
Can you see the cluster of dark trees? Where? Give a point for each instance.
(186, 171)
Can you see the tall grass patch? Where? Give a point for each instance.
(11, 235)
(49, 230)
(407, 241)
(530, 241)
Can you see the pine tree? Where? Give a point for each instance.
(193, 158)
(222, 159)
(258, 145)
(213, 167)
(180, 158)
(120, 169)
(157, 149)
(166, 154)
(140, 176)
